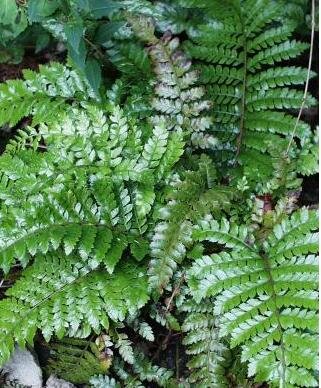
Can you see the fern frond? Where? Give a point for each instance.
(208, 354)
(43, 95)
(189, 200)
(142, 371)
(178, 102)
(62, 296)
(75, 360)
(71, 212)
(239, 53)
(113, 191)
(266, 295)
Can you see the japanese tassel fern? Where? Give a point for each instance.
(265, 295)
(241, 53)
(106, 201)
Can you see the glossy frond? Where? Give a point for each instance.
(208, 354)
(63, 296)
(240, 53)
(94, 182)
(44, 95)
(265, 295)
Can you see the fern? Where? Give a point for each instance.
(180, 183)
(101, 381)
(43, 95)
(76, 214)
(177, 102)
(240, 53)
(84, 201)
(266, 295)
(208, 354)
(75, 360)
(189, 199)
(142, 371)
(64, 297)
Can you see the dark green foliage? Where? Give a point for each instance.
(239, 54)
(75, 360)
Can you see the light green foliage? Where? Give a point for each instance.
(92, 215)
(75, 360)
(75, 207)
(239, 54)
(44, 95)
(63, 296)
(266, 295)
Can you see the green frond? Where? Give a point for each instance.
(143, 371)
(270, 37)
(130, 58)
(114, 190)
(75, 360)
(188, 201)
(43, 95)
(63, 296)
(266, 296)
(278, 76)
(123, 344)
(149, 372)
(208, 354)
(239, 52)
(277, 53)
(167, 249)
(217, 55)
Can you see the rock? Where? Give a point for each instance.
(54, 382)
(23, 369)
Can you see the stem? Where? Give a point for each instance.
(241, 134)
(277, 314)
(175, 292)
(307, 80)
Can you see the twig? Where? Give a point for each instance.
(174, 293)
(308, 77)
